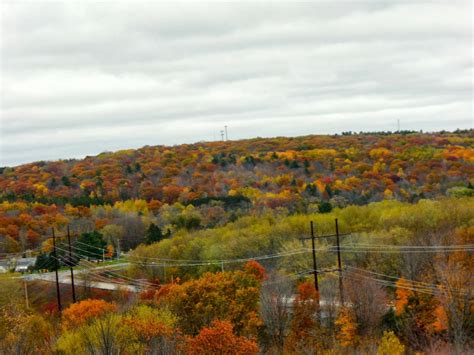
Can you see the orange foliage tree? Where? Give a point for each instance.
(305, 329)
(402, 295)
(428, 314)
(219, 338)
(79, 313)
(419, 314)
(226, 295)
(347, 326)
(153, 327)
(110, 251)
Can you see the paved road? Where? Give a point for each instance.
(64, 277)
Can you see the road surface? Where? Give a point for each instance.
(64, 277)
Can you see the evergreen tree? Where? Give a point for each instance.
(153, 234)
(329, 191)
(294, 164)
(44, 261)
(325, 207)
(91, 245)
(65, 181)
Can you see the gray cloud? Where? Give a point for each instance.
(84, 77)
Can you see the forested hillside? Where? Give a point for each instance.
(217, 252)
(224, 180)
(287, 172)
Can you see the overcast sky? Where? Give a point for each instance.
(83, 77)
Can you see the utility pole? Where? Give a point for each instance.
(26, 294)
(339, 264)
(315, 271)
(118, 248)
(70, 266)
(315, 268)
(58, 293)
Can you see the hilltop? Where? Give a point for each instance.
(272, 172)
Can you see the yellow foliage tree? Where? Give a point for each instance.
(347, 325)
(106, 335)
(24, 333)
(390, 345)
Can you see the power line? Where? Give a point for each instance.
(88, 265)
(90, 246)
(421, 289)
(420, 284)
(391, 250)
(83, 250)
(354, 248)
(388, 246)
(186, 262)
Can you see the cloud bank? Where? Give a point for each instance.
(84, 77)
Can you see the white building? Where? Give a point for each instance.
(24, 264)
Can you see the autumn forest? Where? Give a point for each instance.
(321, 244)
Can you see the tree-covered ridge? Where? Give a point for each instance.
(276, 172)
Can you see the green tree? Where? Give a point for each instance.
(65, 180)
(325, 207)
(460, 191)
(44, 261)
(153, 234)
(91, 245)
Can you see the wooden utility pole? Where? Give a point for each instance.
(26, 294)
(71, 265)
(58, 293)
(315, 267)
(339, 264)
(118, 248)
